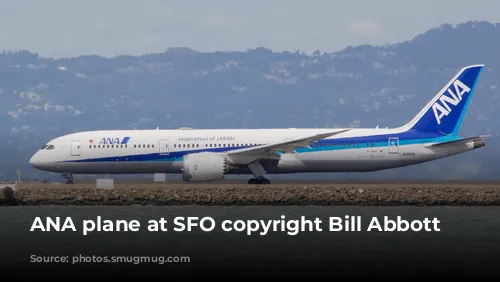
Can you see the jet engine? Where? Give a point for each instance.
(206, 166)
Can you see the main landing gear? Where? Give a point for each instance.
(258, 171)
(261, 180)
(68, 177)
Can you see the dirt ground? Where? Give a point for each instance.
(242, 194)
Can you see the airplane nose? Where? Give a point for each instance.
(34, 161)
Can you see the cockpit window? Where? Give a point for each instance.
(43, 148)
(50, 147)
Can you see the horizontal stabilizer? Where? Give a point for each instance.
(460, 141)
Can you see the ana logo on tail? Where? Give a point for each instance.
(442, 107)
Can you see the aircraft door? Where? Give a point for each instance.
(394, 145)
(75, 148)
(163, 147)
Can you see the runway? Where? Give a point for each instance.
(307, 181)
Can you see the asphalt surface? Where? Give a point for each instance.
(302, 181)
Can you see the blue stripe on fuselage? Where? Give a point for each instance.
(405, 138)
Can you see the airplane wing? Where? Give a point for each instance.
(460, 141)
(270, 150)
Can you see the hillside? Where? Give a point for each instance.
(360, 86)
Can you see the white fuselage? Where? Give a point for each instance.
(162, 151)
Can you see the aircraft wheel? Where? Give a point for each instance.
(264, 181)
(252, 181)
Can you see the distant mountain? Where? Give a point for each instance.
(360, 86)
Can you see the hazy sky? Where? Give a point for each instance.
(61, 28)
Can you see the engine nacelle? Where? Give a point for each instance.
(200, 167)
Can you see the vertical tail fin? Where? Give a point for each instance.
(445, 112)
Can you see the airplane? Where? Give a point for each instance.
(203, 155)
